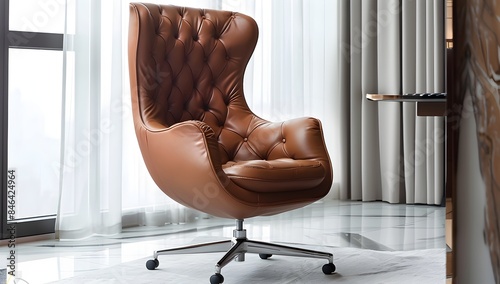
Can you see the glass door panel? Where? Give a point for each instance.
(45, 16)
(34, 129)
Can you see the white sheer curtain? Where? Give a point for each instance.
(91, 156)
(390, 154)
(104, 183)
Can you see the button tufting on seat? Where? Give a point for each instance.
(245, 139)
(284, 140)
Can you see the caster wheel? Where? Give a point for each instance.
(217, 278)
(152, 264)
(264, 256)
(329, 268)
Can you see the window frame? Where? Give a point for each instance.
(30, 40)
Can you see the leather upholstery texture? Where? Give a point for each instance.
(201, 143)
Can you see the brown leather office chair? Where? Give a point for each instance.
(202, 144)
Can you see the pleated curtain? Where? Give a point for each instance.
(390, 47)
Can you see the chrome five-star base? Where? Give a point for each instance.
(236, 249)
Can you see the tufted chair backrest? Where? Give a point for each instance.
(189, 65)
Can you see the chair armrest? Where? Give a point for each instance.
(183, 160)
(298, 139)
(304, 139)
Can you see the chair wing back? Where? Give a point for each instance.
(190, 64)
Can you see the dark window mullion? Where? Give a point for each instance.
(31, 40)
(4, 25)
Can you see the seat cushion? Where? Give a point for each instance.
(278, 175)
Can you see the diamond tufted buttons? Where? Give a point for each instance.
(245, 139)
(284, 140)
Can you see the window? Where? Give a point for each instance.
(31, 33)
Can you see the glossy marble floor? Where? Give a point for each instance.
(368, 225)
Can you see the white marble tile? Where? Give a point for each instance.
(372, 225)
